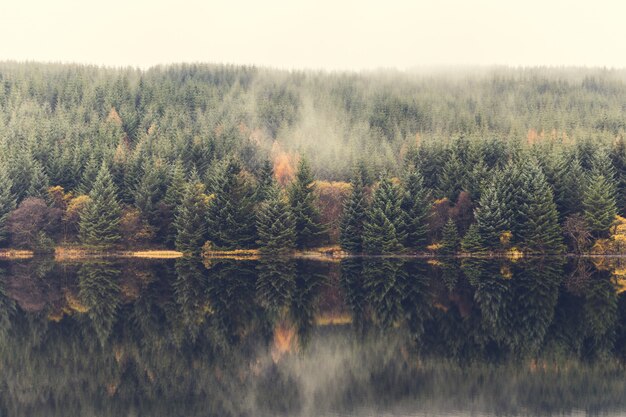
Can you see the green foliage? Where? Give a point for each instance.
(190, 221)
(7, 202)
(275, 224)
(230, 218)
(100, 221)
(491, 213)
(450, 238)
(309, 230)
(472, 241)
(383, 230)
(599, 208)
(353, 217)
(416, 210)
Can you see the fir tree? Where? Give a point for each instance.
(190, 221)
(148, 193)
(472, 241)
(231, 221)
(7, 202)
(539, 229)
(99, 223)
(353, 217)
(383, 228)
(172, 199)
(450, 238)
(89, 174)
(275, 224)
(490, 215)
(453, 177)
(39, 182)
(309, 230)
(266, 182)
(416, 209)
(567, 177)
(599, 208)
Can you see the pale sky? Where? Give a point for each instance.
(320, 34)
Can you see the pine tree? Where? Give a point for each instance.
(231, 222)
(491, 213)
(566, 182)
(7, 202)
(190, 221)
(309, 230)
(599, 208)
(275, 224)
(89, 174)
(39, 182)
(472, 241)
(172, 199)
(416, 209)
(450, 238)
(618, 158)
(453, 177)
(266, 182)
(353, 217)
(539, 229)
(149, 192)
(99, 223)
(383, 228)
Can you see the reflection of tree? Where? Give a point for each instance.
(353, 286)
(190, 295)
(7, 309)
(599, 315)
(385, 281)
(275, 283)
(417, 301)
(302, 310)
(100, 293)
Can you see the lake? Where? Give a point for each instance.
(282, 337)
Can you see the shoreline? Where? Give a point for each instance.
(332, 254)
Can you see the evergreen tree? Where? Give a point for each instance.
(567, 177)
(266, 182)
(190, 222)
(539, 229)
(149, 192)
(231, 222)
(599, 208)
(450, 238)
(618, 158)
(39, 182)
(100, 220)
(7, 202)
(416, 209)
(89, 174)
(353, 217)
(453, 177)
(172, 199)
(491, 213)
(384, 226)
(309, 230)
(472, 241)
(275, 224)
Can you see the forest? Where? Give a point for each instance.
(477, 161)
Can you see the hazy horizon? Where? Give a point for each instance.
(351, 36)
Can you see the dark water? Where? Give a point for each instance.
(296, 338)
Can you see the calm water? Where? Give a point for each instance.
(295, 338)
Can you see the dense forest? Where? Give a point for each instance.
(480, 161)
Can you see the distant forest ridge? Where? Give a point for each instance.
(486, 160)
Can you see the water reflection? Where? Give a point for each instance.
(294, 337)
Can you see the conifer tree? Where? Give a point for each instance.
(99, 223)
(539, 229)
(353, 217)
(384, 226)
(453, 177)
(599, 208)
(190, 221)
(567, 178)
(266, 182)
(172, 199)
(275, 224)
(88, 178)
(416, 209)
(231, 222)
(309, 230)
(7, 202)
(491, 213)
(472, 241)
(39, 182)
(148, 193)
(450, 238)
